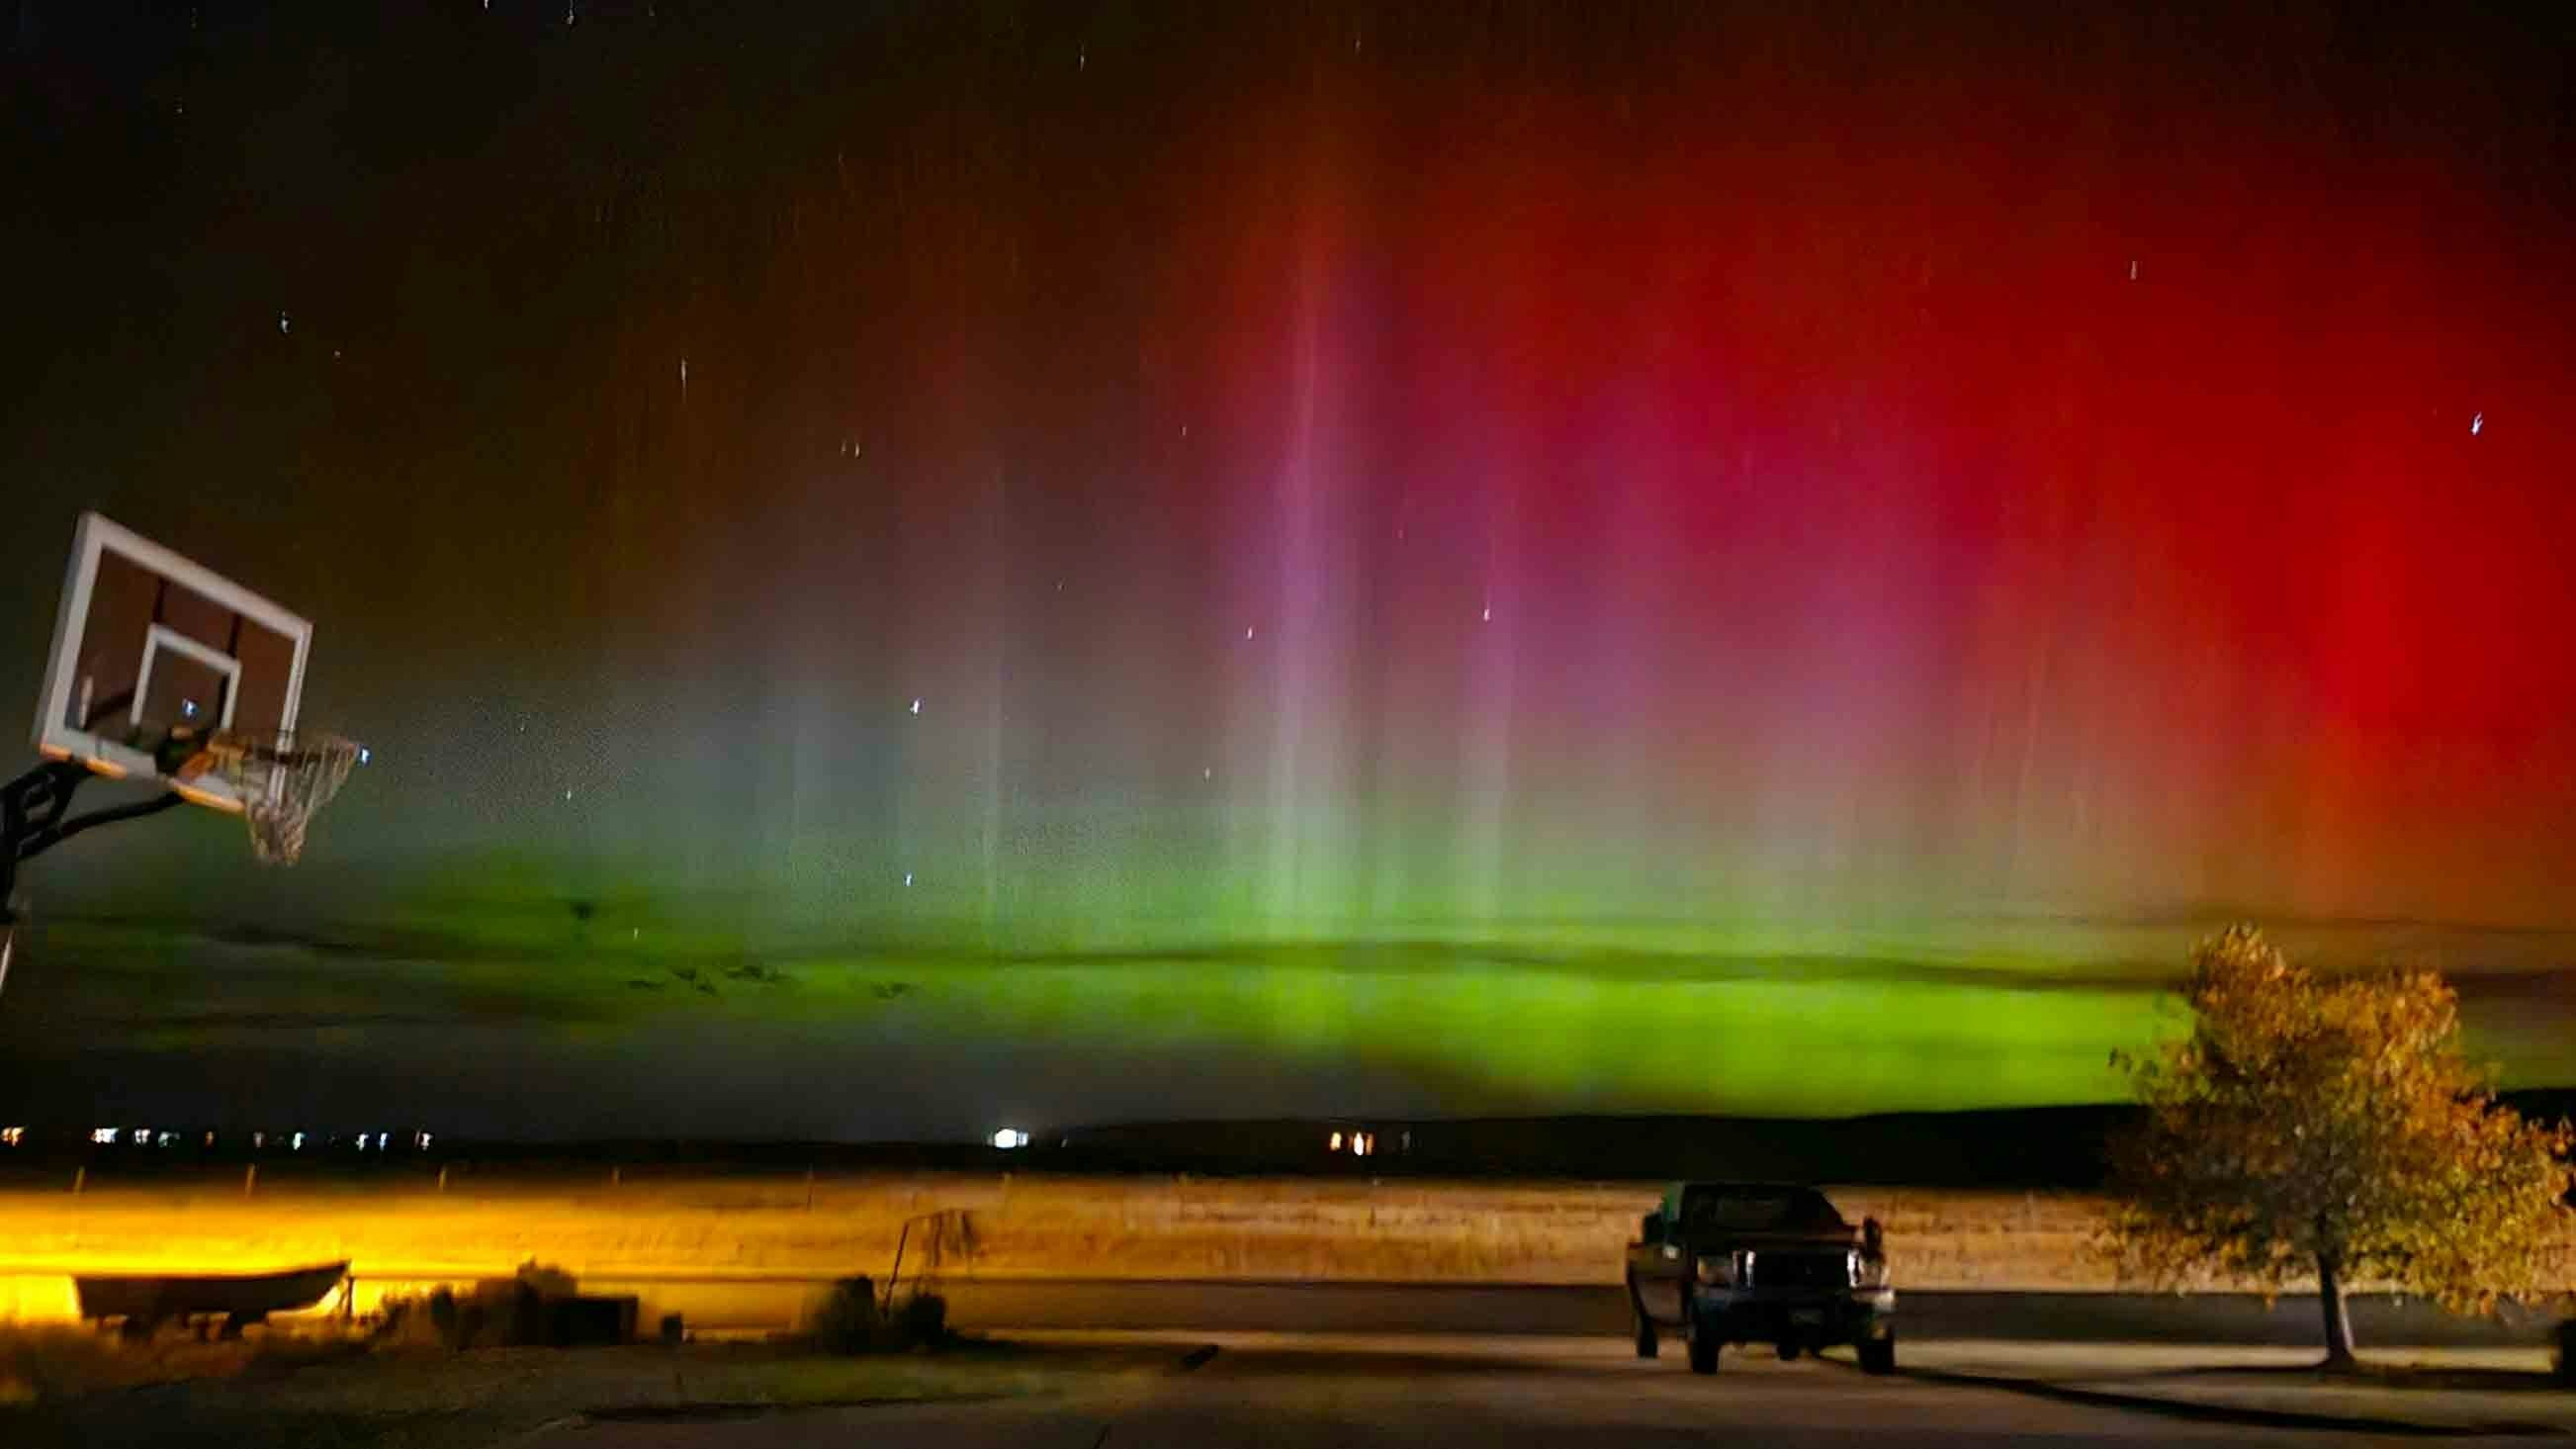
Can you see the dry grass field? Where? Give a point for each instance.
(1017, 1226)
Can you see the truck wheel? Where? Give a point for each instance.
(1642, 1327)
(1878, 1355)
(1703, 1350)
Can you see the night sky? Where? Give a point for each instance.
(913, 566)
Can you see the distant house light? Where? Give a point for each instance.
(1010, 1137)
(1333, 1143)
(12, 1136)
(103, 1136)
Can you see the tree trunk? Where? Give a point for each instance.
(2338, 1321)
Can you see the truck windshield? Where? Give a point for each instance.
(1759, 1211)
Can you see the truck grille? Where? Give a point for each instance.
(1802, 1270)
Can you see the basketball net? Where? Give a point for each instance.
(283, 782)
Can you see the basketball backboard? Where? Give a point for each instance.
(155, 655)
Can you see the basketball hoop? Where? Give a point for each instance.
(282, 780)
(165, 673)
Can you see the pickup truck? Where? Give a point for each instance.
(1742, 1262)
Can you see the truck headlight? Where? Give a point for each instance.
(1722, 1270)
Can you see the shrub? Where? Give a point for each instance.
(850, 1320)
(925, 1321)
(846, 1321)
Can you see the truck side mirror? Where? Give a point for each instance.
(1873, 1238)
(1652, 1228)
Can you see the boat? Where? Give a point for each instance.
(146, 1300)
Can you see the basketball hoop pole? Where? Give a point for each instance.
(35, 816)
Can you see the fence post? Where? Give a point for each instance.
(250, 1179)
(80, 1179)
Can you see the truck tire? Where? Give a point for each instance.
(1649, 1343)
(1703, 1350)
(1878, 1355)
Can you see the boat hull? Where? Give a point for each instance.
(246, 1297)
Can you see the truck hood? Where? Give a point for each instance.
(1829, 1240)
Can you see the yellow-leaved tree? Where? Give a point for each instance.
(2332, 1128)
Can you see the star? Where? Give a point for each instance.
(2477, 424)
(916, 706)
(1247, 631)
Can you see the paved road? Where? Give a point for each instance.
(1603, 1312)
(767, 1302)
(1282, 1392)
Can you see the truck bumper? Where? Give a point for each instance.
(1810, 1317)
